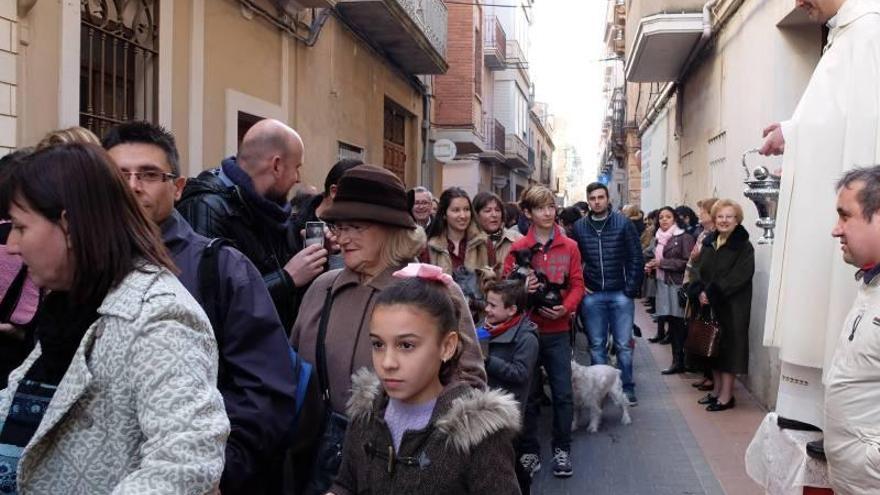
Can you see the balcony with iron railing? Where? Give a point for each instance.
(494, 44)
(545, 172)
(515, 54)
(493, 138)
(413, 33)
(516, 152)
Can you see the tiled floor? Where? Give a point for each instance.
(673, 446)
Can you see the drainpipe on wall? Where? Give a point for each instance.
(426, 180)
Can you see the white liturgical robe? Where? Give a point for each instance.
(835, 127)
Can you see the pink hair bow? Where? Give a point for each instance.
(426, 272)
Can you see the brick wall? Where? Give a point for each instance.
(454, 91)
(8, 50)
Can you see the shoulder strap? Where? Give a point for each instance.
(13, 294)
(320, 350)
(209, 283)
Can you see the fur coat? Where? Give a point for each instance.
(466, 448)
(476, 254)
(137, 411)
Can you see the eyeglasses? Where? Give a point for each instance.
(149, 176)
(423, 203)
(348, 229)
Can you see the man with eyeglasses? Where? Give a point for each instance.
(255, 376)
(423, 202)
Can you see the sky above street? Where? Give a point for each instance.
(565, 63)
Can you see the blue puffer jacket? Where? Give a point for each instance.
(612, 255)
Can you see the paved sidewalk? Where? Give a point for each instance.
(673, 446)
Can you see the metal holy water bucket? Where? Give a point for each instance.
(763, 189)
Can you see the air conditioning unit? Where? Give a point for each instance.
(499, 181)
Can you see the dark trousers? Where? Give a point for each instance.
(555, 356)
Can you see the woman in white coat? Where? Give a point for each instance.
(119, 395)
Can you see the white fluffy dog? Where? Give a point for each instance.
(590, 385)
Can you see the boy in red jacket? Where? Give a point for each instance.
(555, 260)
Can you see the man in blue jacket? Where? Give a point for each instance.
(256, 371)
(613, 271)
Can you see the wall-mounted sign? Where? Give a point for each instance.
(444, 150)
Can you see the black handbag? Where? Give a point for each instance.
(328, 454)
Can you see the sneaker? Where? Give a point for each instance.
(561, 463)
(631, 397)
(531, 464)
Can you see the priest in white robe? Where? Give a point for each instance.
(835, 127)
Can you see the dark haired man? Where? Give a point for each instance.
(852, 384)
(613, 270)
(319, 203)
(256, 372)
(245, 200)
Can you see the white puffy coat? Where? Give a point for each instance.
(852, 399)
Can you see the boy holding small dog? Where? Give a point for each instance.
(513, 347)
(557, 262)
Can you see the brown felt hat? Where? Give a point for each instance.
(372, 194)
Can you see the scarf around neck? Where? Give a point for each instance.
(277, 214)
(496, 330)
(663, 237)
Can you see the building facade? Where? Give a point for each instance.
(485, 102)
(702, 81)
(346, 74)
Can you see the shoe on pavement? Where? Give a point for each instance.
(631, 398)
(707, 399)
(561, 463)
(531, 464)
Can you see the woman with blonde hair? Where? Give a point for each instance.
(705, 227)
(75, 134)
(378, 236)
(723, 284)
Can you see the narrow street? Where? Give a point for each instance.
(672, 447)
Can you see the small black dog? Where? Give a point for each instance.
(548, 294)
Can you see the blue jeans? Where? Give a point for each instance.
(610, 310)
(555, 356)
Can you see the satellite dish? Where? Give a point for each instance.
(444, 150)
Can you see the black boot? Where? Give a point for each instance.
(677, 334)
(661, 330)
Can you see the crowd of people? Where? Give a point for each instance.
(191, 335)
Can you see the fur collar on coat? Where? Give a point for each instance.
(737, 238)
(465, 415)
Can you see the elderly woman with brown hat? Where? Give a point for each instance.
(378, 236)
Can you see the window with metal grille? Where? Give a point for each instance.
(119, 67)
(349, 151)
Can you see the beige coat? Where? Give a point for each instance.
(502, 249)
(476, 256)
(348, 333)
(852, 399)
(138, 411)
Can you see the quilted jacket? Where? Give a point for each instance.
(137, 411)
(612, 255)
